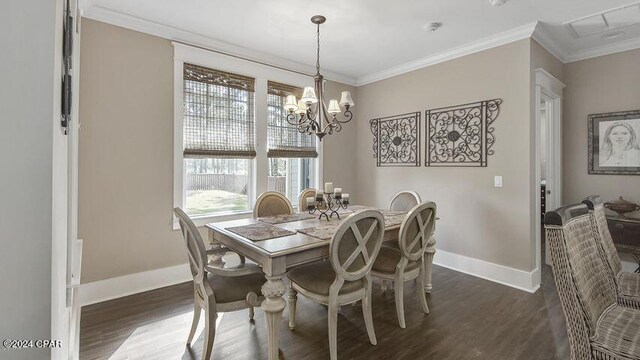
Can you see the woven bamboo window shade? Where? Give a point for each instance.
(218, 114)
(283, 139)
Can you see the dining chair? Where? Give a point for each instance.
(346, 277)
(407, 262)
(272, 203)
(302, 198)
(404, 200)
(597, 327)
(217, 288)
(627, 283)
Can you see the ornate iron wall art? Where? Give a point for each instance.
(461, 135)
(396, 140)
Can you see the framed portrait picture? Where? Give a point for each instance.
(614, 143)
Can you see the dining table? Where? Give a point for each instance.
(282, 242)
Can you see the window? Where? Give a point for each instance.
(291, 154)
(232, 140)
(219, 141)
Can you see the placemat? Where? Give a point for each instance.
(260, 231)
(279, 219)
(324, 231)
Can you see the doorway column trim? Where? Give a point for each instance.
(550, 87)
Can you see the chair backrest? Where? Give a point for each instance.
(272, 203)
(603, 236)
(404, 200)
(302, 198)
(196, 250)
(416, 229)
(356, 243)
(584, 284)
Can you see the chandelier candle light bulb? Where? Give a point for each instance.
(310, 114)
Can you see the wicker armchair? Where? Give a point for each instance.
(272, 203)
(598, 328)
(628, 284)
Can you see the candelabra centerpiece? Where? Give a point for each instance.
(327, 203)
(310, 114)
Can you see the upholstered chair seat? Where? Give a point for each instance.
(388, 259)
(230, 289)
(318, 277)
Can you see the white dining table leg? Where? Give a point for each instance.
(273, 306)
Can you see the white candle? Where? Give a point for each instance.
(319, 195)
(345, 198)
(337, 192)
(328, 187)
(310, 201)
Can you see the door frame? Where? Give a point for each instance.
(547, 87)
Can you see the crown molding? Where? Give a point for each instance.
(620, 46)
(519, 33)
(542, 36)
(178, 35)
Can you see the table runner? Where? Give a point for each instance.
(279, 219)
(260, 231)
(326, 230)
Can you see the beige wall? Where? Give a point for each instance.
(477, 220)
(126, 153)
(340, 148)
(604, 84)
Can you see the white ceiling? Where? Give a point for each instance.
(362, 38)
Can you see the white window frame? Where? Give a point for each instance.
(258, 171)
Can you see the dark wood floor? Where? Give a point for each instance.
(470, 318)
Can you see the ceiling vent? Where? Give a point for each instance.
(606, 21)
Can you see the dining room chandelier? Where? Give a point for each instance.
(310, 114)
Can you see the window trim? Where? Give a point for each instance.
(258, 171)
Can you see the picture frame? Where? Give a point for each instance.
(614, 143)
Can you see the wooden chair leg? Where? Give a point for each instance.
(368, 316)
(398, 286)
(333, 330)
(421, 296)
(194, 325)
(429, 254)
(293, 298)
(209, 332)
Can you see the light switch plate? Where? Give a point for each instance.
(497, 181)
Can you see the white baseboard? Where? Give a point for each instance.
(103, 290)
(519, 279)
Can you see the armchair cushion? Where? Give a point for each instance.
(229, 289)
(387, 260)
(317, 278)
(617, 334)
